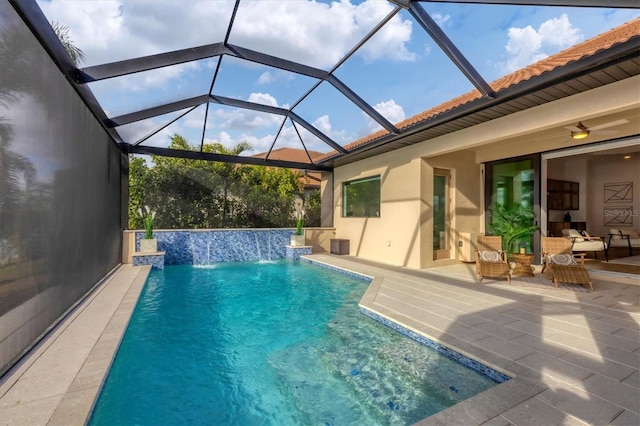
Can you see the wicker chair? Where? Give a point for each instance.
(495, 268)
(565, 273)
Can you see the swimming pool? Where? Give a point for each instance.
(275, 343)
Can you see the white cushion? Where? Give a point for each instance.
(616, 234)
(490, 255)
(573, 234)
(589, 245)
(631, 233)
(562, 259)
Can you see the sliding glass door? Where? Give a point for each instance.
(511, 184)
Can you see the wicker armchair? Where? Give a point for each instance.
(495, 265)
(563, 269)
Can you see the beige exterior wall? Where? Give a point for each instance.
(319, 238)
(466, 203)
(128, 245)
(402, 235)
(394, 237)
(326, 194)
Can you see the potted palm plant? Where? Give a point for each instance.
(513, 224)
(148, 244)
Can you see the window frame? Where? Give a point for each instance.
(345, 200)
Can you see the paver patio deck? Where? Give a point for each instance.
(574, 356)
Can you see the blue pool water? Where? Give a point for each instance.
(276, 343)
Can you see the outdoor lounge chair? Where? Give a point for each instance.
(627, 238)
(491, 261)
(560, 262)
(582, 243)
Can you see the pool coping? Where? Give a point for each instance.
(58, 381)
(510, 392)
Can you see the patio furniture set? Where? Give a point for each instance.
(560, 264)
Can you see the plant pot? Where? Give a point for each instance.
(297, 240)
(148, 245)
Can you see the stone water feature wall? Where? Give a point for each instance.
(203, 247)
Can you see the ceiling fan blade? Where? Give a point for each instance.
(609, 124)
(604, 132)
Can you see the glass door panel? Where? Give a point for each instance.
(441, 222)
(512, 184)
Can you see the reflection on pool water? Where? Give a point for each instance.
(272, 343)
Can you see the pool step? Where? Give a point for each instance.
(386, 369)
(375, 374)
(304, 377)
(442, 374)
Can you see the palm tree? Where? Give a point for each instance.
(75, 53)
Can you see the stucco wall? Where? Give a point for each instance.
(402, 233)
(466, 203)
(394, 237)
(60, 193)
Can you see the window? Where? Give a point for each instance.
(361, 198)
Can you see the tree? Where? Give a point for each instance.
(75, 53)
(206, 194)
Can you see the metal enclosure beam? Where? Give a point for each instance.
(451, 50)
(236, 159)
(146, 63)
(618, 4)
(156, 111)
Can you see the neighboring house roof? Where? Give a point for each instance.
(290, 154)
(312, 179)
(591, 47)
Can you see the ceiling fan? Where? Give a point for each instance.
(580, 131)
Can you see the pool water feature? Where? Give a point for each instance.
(270, 343)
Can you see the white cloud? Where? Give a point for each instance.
(441, 20)
(526, 45)
(388, 43)
(390, 110)
(560, 32)
(265, 78)
(263, 98)
(269, 77)
(311, 32)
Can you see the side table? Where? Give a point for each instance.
(523, 264)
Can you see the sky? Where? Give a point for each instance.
(400, 71)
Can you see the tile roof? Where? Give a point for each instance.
(311, 179)
(290, 154)
(589, 47)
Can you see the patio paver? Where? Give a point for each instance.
(578, 350)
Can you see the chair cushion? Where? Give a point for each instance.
(573, 233)
(562, 259)
(631, 233)
(490, 256)
(615, 234)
